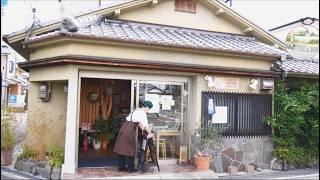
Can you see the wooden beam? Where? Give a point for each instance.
(154, 3)
(248, 30)
(117, 13)
(219, 12)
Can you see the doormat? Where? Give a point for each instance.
(98, 162)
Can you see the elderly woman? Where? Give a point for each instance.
(125, 145)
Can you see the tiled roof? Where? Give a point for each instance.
(175, 36)
(310, 66)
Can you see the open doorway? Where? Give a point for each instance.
(104, 104)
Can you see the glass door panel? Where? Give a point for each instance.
(167, 115)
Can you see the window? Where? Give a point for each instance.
(11, 66)
(245, 112)
(185, 6)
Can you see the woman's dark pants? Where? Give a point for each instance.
(123, 160)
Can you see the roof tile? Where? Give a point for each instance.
(161, 34)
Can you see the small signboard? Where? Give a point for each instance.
(13, 99)
(221, 115)
(227, 83)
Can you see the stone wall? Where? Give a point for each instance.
(240, 151)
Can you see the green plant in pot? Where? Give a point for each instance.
(96, 140)
(7, 135)
(105, 130)
(205, 140)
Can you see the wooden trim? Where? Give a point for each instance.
(148, 65)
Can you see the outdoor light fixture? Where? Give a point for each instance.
(211, 82)
(266, 84)
(253, 84)
(44, 91)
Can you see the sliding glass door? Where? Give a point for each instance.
(168, 115)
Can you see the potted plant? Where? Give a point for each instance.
(96, 141)
(105, 130)
(7, 136)
(204, 141)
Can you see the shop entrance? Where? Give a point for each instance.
(108, 101)
(104, 104)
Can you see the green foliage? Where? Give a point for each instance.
(55, 155)
(295, 122)
(27, 153)
(8, 122)
(205, 139)
(105, 129)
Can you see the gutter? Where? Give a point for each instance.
(135, 42)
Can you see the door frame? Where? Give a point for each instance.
(134, 77)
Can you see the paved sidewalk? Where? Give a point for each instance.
(192, 175)
(308, 173)
(10, 173)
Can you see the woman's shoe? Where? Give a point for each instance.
(122, 169)
(132, 170)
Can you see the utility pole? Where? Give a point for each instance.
(61, 10)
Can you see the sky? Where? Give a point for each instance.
(265, 13)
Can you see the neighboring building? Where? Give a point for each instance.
(184, 56)
(301, 37)
(14, 79)
(282, 31)
(298, 67)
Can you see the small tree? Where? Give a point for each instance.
(205, 140)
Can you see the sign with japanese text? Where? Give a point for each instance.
(227, 83)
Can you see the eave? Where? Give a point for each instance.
(148, 65)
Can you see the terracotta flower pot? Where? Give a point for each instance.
(202, 162)
(6, 157)
(104, 144)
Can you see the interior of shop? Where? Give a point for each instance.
(104, 104)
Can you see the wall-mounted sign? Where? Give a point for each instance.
(227, 83)
(221, 115)
(166, 102)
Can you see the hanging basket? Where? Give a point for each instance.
(202, 162)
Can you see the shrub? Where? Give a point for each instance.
(55, 155)
(27, 153)
(39, 131)
(295, 122)
(8, 123)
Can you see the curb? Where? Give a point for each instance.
(15, 174)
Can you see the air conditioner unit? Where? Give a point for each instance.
(266, 84)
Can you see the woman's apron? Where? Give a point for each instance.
(126, 140)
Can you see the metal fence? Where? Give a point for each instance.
(245, 112)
